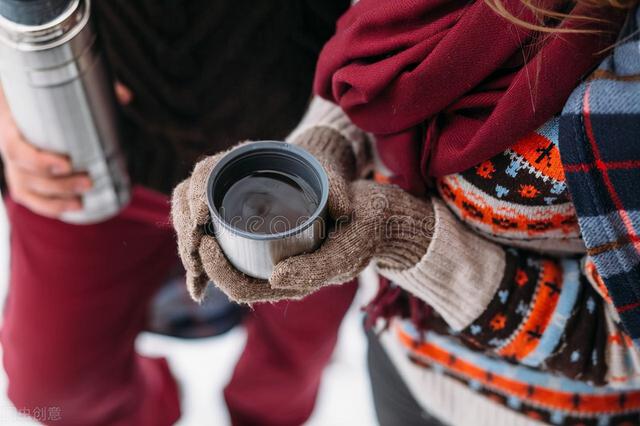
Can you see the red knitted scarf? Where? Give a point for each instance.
(446, 84)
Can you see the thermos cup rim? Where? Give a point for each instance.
(274, 148)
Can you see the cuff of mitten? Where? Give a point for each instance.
(459, 274)
(407, 229)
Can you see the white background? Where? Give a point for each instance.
(203, 367)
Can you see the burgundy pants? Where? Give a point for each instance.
(78, 298)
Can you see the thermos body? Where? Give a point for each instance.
(257, 255)
(58, 88)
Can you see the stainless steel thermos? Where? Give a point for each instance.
(60, 93)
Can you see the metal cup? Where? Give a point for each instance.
(256, 254)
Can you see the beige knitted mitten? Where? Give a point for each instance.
(331, 148)
(388, 226)
(201, 255)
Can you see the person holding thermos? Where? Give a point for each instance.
(190, 79)
(503, 217)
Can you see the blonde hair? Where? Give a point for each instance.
(543, 15)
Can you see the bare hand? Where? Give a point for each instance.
(42, 181)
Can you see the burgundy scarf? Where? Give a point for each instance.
(446, 84)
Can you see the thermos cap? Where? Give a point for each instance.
(37, 25)
(33, 12)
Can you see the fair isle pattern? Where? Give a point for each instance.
(545, 330)
(541, 396)
(559, 339)
(518, 197)
(551, 319)
(526, 338)
(545, 344)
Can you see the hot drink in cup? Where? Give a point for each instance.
(268, 202)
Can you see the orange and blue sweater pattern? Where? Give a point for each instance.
(547, 345)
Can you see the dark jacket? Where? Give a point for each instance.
(207, 74)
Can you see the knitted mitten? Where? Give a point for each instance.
(201, 255)
(388, 226)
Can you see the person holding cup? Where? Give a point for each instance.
(79, 295)
(509, 273)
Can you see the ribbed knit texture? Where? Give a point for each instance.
(453, 276)
(324, 113)
(208, 74)
(407, 231)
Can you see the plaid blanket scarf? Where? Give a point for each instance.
(600, 149)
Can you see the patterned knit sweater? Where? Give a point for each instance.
(524, 332)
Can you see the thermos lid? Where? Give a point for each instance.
(33, 12)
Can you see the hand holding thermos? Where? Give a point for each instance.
(43, 181)
(58, 96)
(40, 180)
